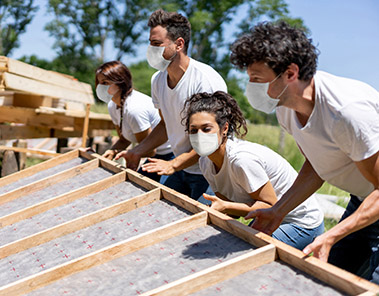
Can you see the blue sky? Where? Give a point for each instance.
(345, 31)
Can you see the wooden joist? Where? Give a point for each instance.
(192, 219)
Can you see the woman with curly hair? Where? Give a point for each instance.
(244, 176)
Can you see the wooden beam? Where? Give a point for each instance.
(48, 181)
(39, 167)
(62, 199)
(85, 126)
(31, 151)
(120, 249)
(37, 117)
(28, 85)
(327, 273)
(79, 223)
(216, 274)
(24, 69)
(10, 132)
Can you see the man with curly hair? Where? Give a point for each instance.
(178, 77)
(335, 123)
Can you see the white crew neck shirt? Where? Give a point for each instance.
(139, 114)
(247, 167)
(198, 78)
(343, 128)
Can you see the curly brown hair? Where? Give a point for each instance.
(278, 45)
(176, 25)
(222, 105)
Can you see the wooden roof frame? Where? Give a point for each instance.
(268, 248)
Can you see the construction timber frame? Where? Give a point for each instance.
(210, 271)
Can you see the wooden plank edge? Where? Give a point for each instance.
(79, 223)
(48, 181)
(31, 151)
(39, 167)
(101, 256)
(335, 277)
(216, 274)
(62, 199)
(133, 176)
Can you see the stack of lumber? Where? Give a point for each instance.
(36, 103)
(24, 85)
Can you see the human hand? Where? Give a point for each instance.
(159, 166)
(265, 220)
(217, 203)
(320, 247)
(132, 158)
(109, 154)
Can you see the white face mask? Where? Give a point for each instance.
(258, 97)
(204, 143)
(102, 93)
(155, 58)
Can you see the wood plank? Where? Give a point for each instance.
(48, 181)
(31, 151)
(104, 255)
(39, 167)
(327, 273)
(215, 274)
(10, 132)
(79, 223)
(29, 116)
(62, 199)
(85, 127)
(19, 83)
(24, 69)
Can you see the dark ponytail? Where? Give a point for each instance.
(222, 105)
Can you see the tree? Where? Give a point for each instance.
(15, 15)
(84, 26)
(210, 19)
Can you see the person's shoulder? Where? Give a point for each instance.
(207, 77)
(157, 76)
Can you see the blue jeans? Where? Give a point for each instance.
(296, 236)
(155, 176)
(358, 249)
(192, 185)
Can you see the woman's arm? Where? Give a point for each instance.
(264, 197)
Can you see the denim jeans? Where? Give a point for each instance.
(192, 185)
(296, 236)
(155, 176)
(358, 249)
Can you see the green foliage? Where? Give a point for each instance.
(15, 15)
(141, 73)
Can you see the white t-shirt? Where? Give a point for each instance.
(247, 167)
(139, 114)
(198, 78)
(342, 128)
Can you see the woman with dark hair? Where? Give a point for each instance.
(132, 112)
(245, 176)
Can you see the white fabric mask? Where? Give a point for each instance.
(155, 58)
(102, 93)
(204, 143)
(258, 97)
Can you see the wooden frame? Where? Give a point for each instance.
(266, 249)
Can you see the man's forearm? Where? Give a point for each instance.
(365, 215)
(157, 137)
(306, 183)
